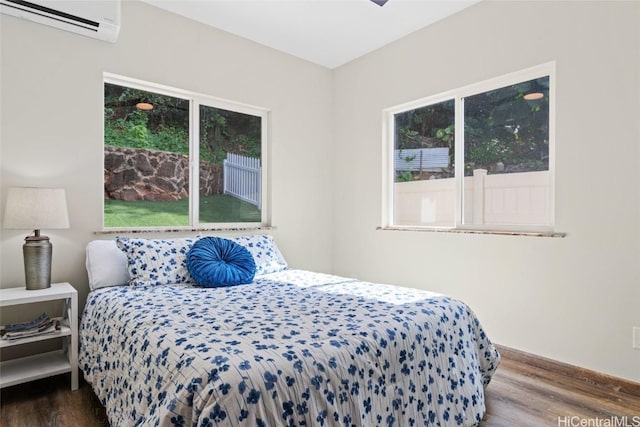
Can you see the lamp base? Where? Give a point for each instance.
(37, 262)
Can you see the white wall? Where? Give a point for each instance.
(51, 130)
(573, 299)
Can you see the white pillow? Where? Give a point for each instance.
(265, 253)
(106, 264)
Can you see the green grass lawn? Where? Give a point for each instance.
(218, 208)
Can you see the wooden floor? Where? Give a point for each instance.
(530, 391)
(526, 391)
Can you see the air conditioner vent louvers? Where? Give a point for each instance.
(99, 20)
(34, 8)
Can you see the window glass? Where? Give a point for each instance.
(146, 158)
(506, 155)
(230, 170)
(423, 162)
(151, 161)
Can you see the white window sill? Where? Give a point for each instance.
(180, 229)
(466, 231)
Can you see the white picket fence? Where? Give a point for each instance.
(242, 178)
(421, 159)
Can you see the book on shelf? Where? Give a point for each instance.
(42, 325)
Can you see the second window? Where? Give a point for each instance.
(479, 157)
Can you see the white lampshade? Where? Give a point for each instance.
(29, 208)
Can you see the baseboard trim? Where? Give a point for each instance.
(609, 382)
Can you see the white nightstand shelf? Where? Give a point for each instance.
(43, 365)
(65, 331)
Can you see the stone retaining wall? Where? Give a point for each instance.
(137, 174)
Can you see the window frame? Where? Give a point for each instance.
(195, 100)
(458, 95)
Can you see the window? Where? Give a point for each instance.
(160, 143)
(480, 157)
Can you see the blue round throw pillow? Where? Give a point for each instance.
(215, 262)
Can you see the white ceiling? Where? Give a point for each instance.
(326, 32)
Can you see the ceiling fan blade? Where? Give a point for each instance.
(379, 2)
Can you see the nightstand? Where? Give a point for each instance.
(43, 365)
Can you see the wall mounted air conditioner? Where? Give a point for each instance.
(96, 19)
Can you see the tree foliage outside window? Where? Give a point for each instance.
(165, 127)
(430, 126)
(500, 127)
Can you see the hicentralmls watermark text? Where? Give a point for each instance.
(623, 421)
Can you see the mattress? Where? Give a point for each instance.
(293, 348)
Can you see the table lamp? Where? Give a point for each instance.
(29, 208)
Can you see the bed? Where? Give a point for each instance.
(291, 348)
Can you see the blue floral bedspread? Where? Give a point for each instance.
(293, 348)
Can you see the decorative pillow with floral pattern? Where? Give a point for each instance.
(155, 262)
(265, 253)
